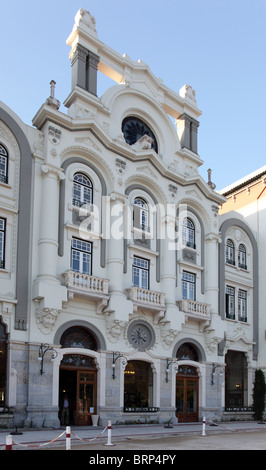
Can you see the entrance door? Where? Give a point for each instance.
(187, 397)
(86, 397)
(78, 380)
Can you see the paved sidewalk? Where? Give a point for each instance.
(33, 439)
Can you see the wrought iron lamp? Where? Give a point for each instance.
(43, 349)
(167, 370)
(117, 355)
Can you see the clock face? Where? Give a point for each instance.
(140, 336)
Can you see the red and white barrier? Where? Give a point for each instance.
(9, 442)
(203, 427)
(109, 434)
(68, 438)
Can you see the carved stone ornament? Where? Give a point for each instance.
(114, 330)
(167, 337)
(46, 319)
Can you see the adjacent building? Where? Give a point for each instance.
(122, 287)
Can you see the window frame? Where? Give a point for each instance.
(81, 252)
(2, 243)
(189, 283)
(242, 253)
(142, 270)
(4, 156)
(141, 214)
(188, 233)
(242, 305)
(230, 295)
(230, 252)
(79, 201)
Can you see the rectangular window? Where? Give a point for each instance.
(189, 286)
(230, 302)
(141, 272)
(242, 305)
(2, 242)
(81, 253)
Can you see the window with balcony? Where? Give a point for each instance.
(3, 165)
(230, 302)
(242, 257)
(140, 272)
(230, 252)
(188, 286)
(82, 190)
(81, 256)
(188, 233)
(2, 242)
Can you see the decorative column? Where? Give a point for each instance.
(47, 289)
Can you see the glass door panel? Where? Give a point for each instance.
(187, 399)
(86, 400)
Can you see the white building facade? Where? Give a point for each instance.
(118, 286)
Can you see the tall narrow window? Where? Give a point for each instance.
(82, 190)
(189, 286)
(242, 305)
(141, 214)
(141, 272)
(81, 256)
(230, 252)
(242, 258)
(3, 164)
(2, 242)
(230, 302)
(188, 233)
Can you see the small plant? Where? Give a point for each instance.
(259, 395)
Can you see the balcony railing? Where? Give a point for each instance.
(194, 310)
(150, 300)
(86, 285)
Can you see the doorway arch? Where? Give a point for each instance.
(78, 376)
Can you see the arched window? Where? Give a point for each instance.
(78, 337)
(82, 190)
(134, 128)
(188, 233)
(3, 165)
(242, 257)
(187, 351)
(230, 252)
(141, 214)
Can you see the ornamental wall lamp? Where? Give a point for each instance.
(214, 367)
(167, 370)
(43, 349)
(117, 355)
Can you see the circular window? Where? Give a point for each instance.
(134, 128)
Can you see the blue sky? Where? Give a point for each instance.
(216, 46)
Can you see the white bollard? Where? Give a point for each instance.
(109, 434)
(68, 438)
(9, 442)
(203, 427)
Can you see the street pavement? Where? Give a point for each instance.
(235, 435)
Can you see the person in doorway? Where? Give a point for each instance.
(65, 411)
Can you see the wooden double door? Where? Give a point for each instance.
(187, 391)
(80, 386)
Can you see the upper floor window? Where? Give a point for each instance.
(230, 252)
(141, 214)
(189, 286)
(230, 302)
(82, 190)
(242, 257)
(2, 242)
(141, 272)
(81, 254)
(3, 165)
(242, 305)
(188, 233)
